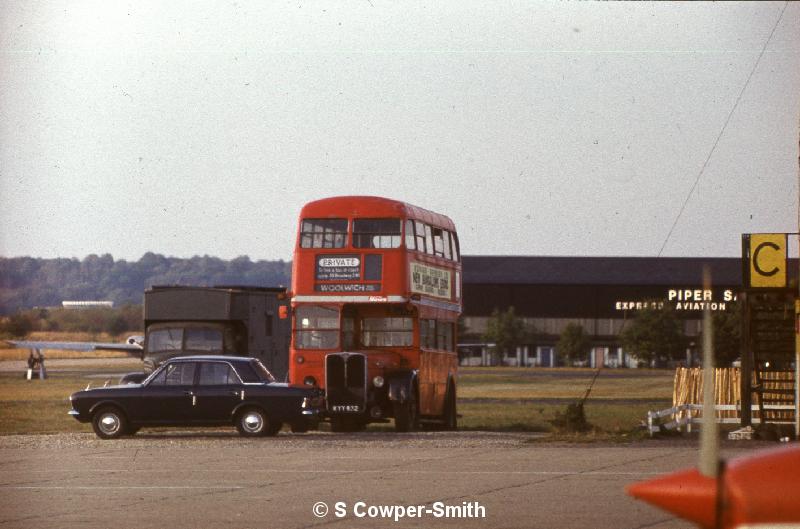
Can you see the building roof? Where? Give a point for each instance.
(549, 270)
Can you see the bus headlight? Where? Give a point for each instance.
(310, 381)
(378, 381)
(300, 359)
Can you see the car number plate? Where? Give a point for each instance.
(346, 407)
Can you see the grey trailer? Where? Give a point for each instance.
(227, 320)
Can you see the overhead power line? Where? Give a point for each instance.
(721, 132)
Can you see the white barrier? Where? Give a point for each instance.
(684, 415)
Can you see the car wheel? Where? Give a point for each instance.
(109, 423)
(406, 414)
(252, 422)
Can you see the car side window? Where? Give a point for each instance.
(177, 374)
(216, 374)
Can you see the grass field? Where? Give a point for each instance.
(501, 399)
(38, 406)
(525, 399)
(567, 383)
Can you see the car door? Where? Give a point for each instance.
(218, 391)
(169, 397)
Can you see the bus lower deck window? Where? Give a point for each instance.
(316, 327)
(379, 332)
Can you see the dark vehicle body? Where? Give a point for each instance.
(221, 320)
(200, 391)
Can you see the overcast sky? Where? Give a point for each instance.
(540, 128)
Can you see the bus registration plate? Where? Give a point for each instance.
(346, 407)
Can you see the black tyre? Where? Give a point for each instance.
(347, 424)
(448, 420)
(132, 430)
(406, 413)
(252, 422)
(450, 412)
(109, 423)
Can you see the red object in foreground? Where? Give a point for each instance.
(760, 489)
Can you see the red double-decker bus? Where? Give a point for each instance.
(376, 295)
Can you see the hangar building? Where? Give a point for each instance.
(599, 293)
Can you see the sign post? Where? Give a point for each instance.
(764, 269)
(797, 370)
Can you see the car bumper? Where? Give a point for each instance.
(77, 415)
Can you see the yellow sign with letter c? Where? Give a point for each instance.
(768, 260)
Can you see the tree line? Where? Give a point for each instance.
(113, 321)
(27, 282)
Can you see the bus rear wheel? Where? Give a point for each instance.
(450, 412)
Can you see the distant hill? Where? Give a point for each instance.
(27, 282)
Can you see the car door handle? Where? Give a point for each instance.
(235, 393)
(190, 393)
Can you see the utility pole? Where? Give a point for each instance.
(797, 311)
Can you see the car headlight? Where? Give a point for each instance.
(378, 381)
(311, 402)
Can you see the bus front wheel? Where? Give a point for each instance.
(406, 414)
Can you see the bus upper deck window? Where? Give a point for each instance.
(454, 240)
(438, 242)
(446, 237)
(428, 240)
(323, 233)
(420, 234)
(410, 240)
(376, 233)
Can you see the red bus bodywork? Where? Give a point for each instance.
(395, 307)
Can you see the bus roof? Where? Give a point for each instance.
(372, 207)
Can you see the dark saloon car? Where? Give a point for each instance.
(200, 391)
